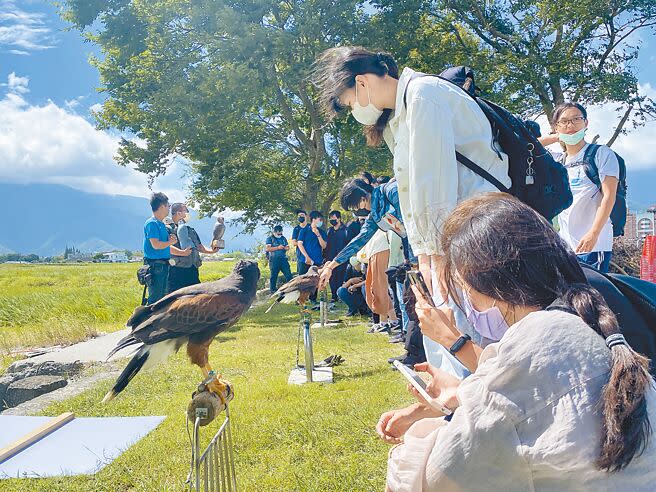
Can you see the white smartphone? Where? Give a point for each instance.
(420, 385)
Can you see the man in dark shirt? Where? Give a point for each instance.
(312, 241)
(277, 247)
(301, 217)
(338, 237)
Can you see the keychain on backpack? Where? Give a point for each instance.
(530, 172)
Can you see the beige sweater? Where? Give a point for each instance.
(528, 420)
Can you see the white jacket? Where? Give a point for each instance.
(529, 420)
(440, 119)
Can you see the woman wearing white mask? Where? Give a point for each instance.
(559, 402)
(424, 121)
(586, 225)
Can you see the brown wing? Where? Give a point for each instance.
(199, 317)
(304, 283)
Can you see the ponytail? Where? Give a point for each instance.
(625, 422)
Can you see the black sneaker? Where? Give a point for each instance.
(409, 361)
(398, 357)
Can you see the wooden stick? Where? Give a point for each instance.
(33, 436)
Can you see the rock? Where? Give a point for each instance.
(20, 366)
(25, 389)
(5, 381)
(51, 368)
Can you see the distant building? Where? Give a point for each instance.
(115, 257)
(631, 227)
(644, 225)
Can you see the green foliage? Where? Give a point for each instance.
(31, 258)
(547, 52)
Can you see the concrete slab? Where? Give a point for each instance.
(331, 323)
(319, 375)
(92, 350)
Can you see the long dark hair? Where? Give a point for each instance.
(504, 249)
(335, 71)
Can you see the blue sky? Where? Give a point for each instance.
(48, 88)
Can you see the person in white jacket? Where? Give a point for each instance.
(424, 121)
(558, 401)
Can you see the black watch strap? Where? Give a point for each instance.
(459, 343)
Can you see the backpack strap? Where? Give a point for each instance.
(465, 161)
(591, 170)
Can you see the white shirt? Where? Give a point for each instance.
(529, 420)
(577, 220)
(440, 119)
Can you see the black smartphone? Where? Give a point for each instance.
(417, 279)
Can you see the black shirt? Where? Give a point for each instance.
(337, 239)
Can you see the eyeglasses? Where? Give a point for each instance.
(570, 121)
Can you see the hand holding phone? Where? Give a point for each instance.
(420, 385)
(417, 279)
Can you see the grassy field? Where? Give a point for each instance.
(311, 437)
(43, 305)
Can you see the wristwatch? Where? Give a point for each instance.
(459, 343)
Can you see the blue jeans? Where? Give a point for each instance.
(159, 272)
(278, 265)
(404, 314)
(599, 260)
(354, 300)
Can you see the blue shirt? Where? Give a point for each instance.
(311, 244)
(155, 229)
(277, 241)
(297, 230)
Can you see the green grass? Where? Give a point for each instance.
(311, 437)
(43, 305)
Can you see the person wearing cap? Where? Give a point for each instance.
(276, 248)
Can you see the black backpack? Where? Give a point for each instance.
(537, 178)
(618, 214)
(634, 303)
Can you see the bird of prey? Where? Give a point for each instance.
(217, 234)
(193, 316)
(297, 289)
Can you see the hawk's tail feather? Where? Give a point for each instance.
(130, 371)
(124, 342)
(138, 316)
(278, 299)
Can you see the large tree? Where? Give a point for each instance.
(224, 84)
(551, 51)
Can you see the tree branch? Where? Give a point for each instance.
(620, 125)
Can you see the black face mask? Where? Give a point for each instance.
(333, 222)
(362, 212)
(301, 220)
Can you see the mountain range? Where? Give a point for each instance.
(45, 218)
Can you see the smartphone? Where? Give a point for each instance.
(420, 385)
(417, 279)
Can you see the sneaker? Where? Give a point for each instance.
(374, 328)
(398, 357)
(409, 361)
(383, 328)
(399, 338)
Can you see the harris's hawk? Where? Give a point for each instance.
(193, 316)
(299, 289)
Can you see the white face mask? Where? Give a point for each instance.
(572, 138)
(367, 115)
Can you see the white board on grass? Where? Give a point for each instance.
(83, 446)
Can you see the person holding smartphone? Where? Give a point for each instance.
(548, 401)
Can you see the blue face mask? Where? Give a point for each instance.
(320, 223)
(573, 138)
(489, 323)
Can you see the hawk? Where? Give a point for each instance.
(193, 316)
(297, 289)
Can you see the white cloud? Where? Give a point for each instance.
(50, 144)
(22, 31)
(638, 148)
(16, 84)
